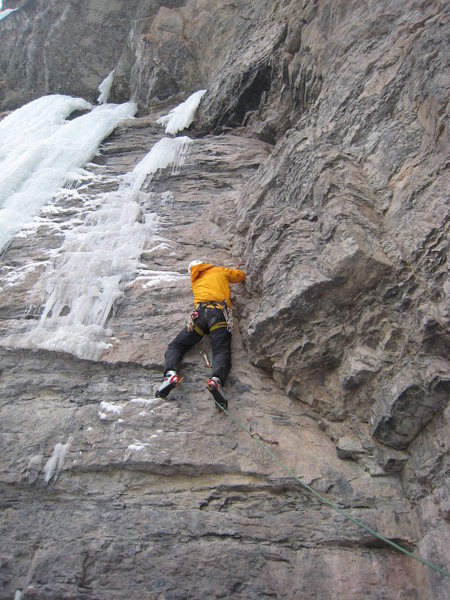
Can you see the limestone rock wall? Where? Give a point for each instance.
(320, 161)
(61, 47)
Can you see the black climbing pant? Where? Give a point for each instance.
(206, 322)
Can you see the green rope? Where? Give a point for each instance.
(329, 502)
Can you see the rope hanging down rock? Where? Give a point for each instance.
(345, 514)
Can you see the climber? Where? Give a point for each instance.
(211, 315)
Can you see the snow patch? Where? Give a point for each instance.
(137, 447)
(144, 401)
(112, 408)
(160, 278)
(111, 411)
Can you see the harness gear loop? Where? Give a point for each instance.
(227, 314)
(191, 325)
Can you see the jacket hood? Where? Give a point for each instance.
(197, 269)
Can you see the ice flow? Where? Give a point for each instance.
(40, 151)
(98, 258)
(182, 115)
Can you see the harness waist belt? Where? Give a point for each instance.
(212, 304)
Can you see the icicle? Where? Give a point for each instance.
(109, 410)
(56, 462)
(182, 115)
(34, 467)
(168, 152)
(6, 12)
(105, 88)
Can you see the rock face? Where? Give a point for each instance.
(319, 160)
(68, 47)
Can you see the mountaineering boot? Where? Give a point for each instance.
(171, 380)
(215, 387)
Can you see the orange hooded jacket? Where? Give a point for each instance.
(211, 284)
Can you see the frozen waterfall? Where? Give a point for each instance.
(43, 158)
(98, 258)
(40, 151)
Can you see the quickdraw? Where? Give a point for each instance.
(228, 314)
(190, 324)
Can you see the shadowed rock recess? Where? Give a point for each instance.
(319, 160)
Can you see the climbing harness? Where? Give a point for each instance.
(259, 440)
(227, 315)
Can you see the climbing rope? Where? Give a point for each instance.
(345, 514)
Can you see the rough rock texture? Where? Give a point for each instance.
(319, 160)
(68, 47)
